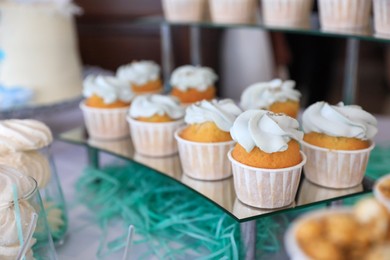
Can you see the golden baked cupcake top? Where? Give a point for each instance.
(156, 108)
(106, 92)
(338, 127)
(193, 83)
(266, 140)
(277, 96)
(143, 76)
(210, 121)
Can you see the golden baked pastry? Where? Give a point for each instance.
(260, 159)
(98, 102)
(289, 107)
(384, 188)
(156, 118)
(192, 95)
(335, 143)
(150, 86)
(207, 132)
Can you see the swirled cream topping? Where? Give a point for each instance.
(109, 88)
(262, 95)
(23, 135)
(340, 121)
(150, 105)
(31, 163)
(222, 113)
(268, 131)
(139, 72)
(189, 76)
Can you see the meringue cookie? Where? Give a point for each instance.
(23, 135)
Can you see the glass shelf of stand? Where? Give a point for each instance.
(313, 28)
(220, 193)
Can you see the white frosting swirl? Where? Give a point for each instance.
(139, 72)
(189, 76)
(340, 121)
(109, 88)
(222, 113)
(150, 105)
(23, 135)
(268, 131)
(31, 163)
(262, 95)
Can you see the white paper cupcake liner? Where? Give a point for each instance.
(169, 165)
(291, 244)
(184, 10)
(266, 188)
(291, 13)
(154, 139)
(344, 14)
(105, 123)
(241, 210)
(334, 168)
(232, 11)
(385, 201)
(204, 161)
(382, 17)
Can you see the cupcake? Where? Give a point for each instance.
(277, 96)
(382, 191)
(382, 17)
(290, 13)
(344, 14)
(232, 11)
(359, 232)
(153, 120)
(191, 84)
(143, 76)
(205, 141)
(184, 10)
(266, 160)
(107, 100)
(337, 144)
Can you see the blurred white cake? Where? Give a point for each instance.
(40, 49)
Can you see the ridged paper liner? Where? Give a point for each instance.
(291, 244)
(242, 210)
(344, 14)
(105, 123)
(232, 11)
(154, 139)
(385, 201)
(382, 17)
(292, 13)
(204, 161)
(266, 188)
(334, 168)
(184, 10)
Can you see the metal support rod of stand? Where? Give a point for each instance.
(166, 54)
(350, 71)
(196, 45)
(248, 236)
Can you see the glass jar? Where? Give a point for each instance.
(24, 229)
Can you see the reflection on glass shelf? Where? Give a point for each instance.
(312, 29)
(222, 192)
